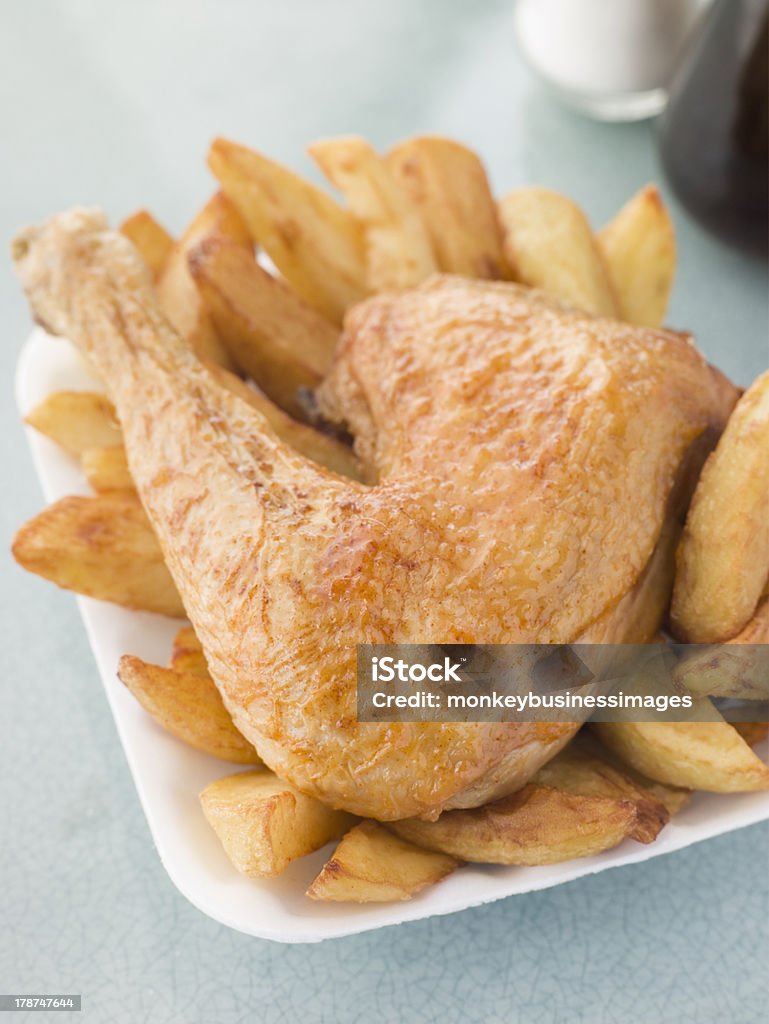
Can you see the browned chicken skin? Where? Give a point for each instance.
(525, 458)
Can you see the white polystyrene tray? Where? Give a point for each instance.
(169, 775)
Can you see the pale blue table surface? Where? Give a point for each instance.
(113, 104)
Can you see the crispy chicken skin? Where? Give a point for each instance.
(525, 456)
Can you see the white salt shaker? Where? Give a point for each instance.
(611, 59)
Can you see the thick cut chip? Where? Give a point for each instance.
(534, 826)
(272, 334)
(448, 184)
(103, 547)
(314, 242)
(695, 755)
(550, 245)
(189, 707)
(639, 251)
(399, 252)
(150, 238)
(264, 823)
(180, 299)
(723, 557)
(584, 769)
(77, 420)
(738, 668)
(371, 865)
(576, 805)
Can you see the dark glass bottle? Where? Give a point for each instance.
(714, 129)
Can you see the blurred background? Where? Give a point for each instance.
(114, 105)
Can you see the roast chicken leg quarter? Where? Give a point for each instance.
(525, 456)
